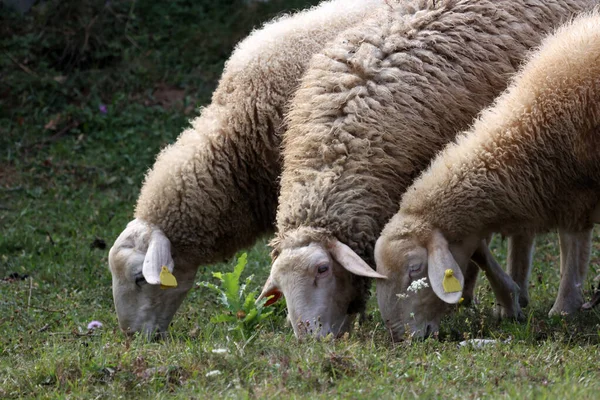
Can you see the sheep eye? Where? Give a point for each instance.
(140, 280)
(128, 245)
(321, 269)
(415, 268)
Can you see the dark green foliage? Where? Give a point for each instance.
(242, 313)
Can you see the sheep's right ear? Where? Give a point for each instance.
(157, 256)
(270, 289)
(446, 277)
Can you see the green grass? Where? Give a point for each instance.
(69, 177)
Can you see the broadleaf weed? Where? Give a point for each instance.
(241, 311)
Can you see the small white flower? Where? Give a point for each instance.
(417, 285)
(213, 373)
(402, 295)
(219, 351)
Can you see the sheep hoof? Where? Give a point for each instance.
(593, 302)
(513, 310)
(502, 312)
(524, 299)
(568, 306)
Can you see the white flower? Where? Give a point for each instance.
(402, 295)
(219, 351)
(213, 373)
(417, 285)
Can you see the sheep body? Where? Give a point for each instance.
(371, 111)
(215, 189)
(529, 163)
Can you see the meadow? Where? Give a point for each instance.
(90, 91)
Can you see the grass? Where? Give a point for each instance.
(89, 93)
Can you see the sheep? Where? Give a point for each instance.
(371, 111)
(215, 190)
(529, 163)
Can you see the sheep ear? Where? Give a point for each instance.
(446, 277)
(270, 289)
(157, 256)
(348, 259)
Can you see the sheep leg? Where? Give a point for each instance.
(520, 257)
(575, 248)
(505, 289)
(596, 297)
(470, 282)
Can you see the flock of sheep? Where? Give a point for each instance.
(387, 140)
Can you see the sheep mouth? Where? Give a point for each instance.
(152, 336)
(318, 330)
(400, 332)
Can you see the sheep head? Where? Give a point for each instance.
(425, 276)
(145, 293)
(316, 280)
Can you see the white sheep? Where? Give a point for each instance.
(371, 112)
(215, 190)
(530, 162)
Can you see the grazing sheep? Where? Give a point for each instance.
(531, 162)
(215, 190)
(371, 111)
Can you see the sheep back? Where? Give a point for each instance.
(531, 161)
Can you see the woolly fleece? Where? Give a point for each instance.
(531, 162)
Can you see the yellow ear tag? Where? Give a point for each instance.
(167, 280)
(450, 283)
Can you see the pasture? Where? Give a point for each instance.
(90, 91)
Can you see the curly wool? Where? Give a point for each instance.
(531, 162)
(376, 105)
(215, 189)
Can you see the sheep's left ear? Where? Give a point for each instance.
(348, 259)
(446, 277)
